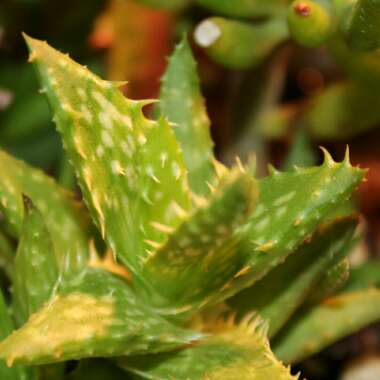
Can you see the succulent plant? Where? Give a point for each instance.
(174, 266)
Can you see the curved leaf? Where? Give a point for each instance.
(130, 169)
(91, 315)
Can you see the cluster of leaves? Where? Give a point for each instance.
(178, 267)
(242, 35)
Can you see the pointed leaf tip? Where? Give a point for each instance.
(328, 160)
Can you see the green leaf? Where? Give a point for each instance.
(290, 208)
(364, 276)
(237, 44)
(360, 23)
(200, 256)
(318, 327)
(172, 5)
(36, 267)
(277, 296)
(342, 111)
(6, 327)
(65, 218)
(311, 22)
(245, 8)
(332, 281)
(182, 103)
(231, 352)
(301, 152)
(130, 169)
(94, 314)
(6, 255)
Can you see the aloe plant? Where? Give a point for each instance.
(175, 266)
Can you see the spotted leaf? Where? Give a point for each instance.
(36, 267)
(182, 103)
(333, 280)
(290, 208)
(93, 314)
(231, 352)
(201, 254)
(318, 327)
(277, 296)
(66, 220)
(130, 169)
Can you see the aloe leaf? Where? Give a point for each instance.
(6, 255)
(182, 103)
(301, 152)
(290, 208)
(93, 314)
(36, 267)
(200, 255)
(238, 44)
(231, 352)
(67, 222)
(172, 5)
(311, 22)
(130, 169)
(360, 23)
(318, 327)
(277, 296)
(343, 110)
(364, 276)
(6, 327)
(331, 282)
(245, 8)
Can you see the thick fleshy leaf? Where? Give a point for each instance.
(173, 5)
(276, 297)
(182, 103)
(244, 8)
(360, 23)
(6, 255)
(92, 315)
(231, 352)
(290, 208)
(343, 110)
(66, 220)
(6, 327)
(301, 152)
(36, 267)
(201, 255)
(311, 22)
(364, 276)
(130, 169)
(331, 282)
(318, 327)
(238, 44)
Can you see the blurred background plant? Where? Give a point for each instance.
(280, 78)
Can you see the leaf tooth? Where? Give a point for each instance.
(243, 271)
(328, 160)
(162, 227)
(239, 164)
(153, 243)
(198, 200)
(182, 213)
(211, 187)
(346, 159)
(220, 169)
(272, 170)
